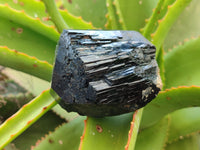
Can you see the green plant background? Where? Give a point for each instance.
(30, 117)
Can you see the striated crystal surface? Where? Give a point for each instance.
(105, 73)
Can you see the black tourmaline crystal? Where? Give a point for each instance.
(105, 73)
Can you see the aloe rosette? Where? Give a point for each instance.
(29, 33)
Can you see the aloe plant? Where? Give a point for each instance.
(29, 31)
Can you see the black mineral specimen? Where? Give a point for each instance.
(104, 73)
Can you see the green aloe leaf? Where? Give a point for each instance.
(36, 9)
(25, 117)
(22, 62)
(32, 8)
(134, 12)
(11, 103)
(134, 128)
(181, 65)
(168, 101)
(186, 26)
(20, 17)
(31, 83)
(185, 143)
(160, 61)
(67, 20)
(64, 114)
(12, 97)
(181, 124)
(42, 127)
(184, 122)
(75, 22)
(106, 132)
(153, 137)
(165, 24)
(168, 12)
(158, 13)
(55, 15)
(27, 33)
(66, 136)
(87, 9)
(114, 17)
(123, 16)
(21, 38)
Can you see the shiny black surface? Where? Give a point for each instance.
(104, 73)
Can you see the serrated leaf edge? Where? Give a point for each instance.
(45, 106)
(182, 43)
(45, 136)
(179, 87)
(83, 135)
(77, 17)
(132, 126)
(33, 23)
(181, 138)
(114, 14)
(161, 31)
(29, 61)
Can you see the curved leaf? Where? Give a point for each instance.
(101, 133)
(11, 103)
(158, 13)
(90, 10)
(134, 128)
(31, 83)
(22, 18)
(21, 38)
(55, 15)
(32, 8)
(75, 22)
(153, 137)
(167, 21)
(181, 65)
(160, 61)
(65, 137)
(46, 124)
(183, 122)
(37, 10)
(186, 26)
(25, 117)
(114, 17)
(185, 143)
(134, 12)
(64, 114)
(168, 101)
(22, 62)
(20, 34)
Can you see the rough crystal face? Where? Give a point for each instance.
(105, 73)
